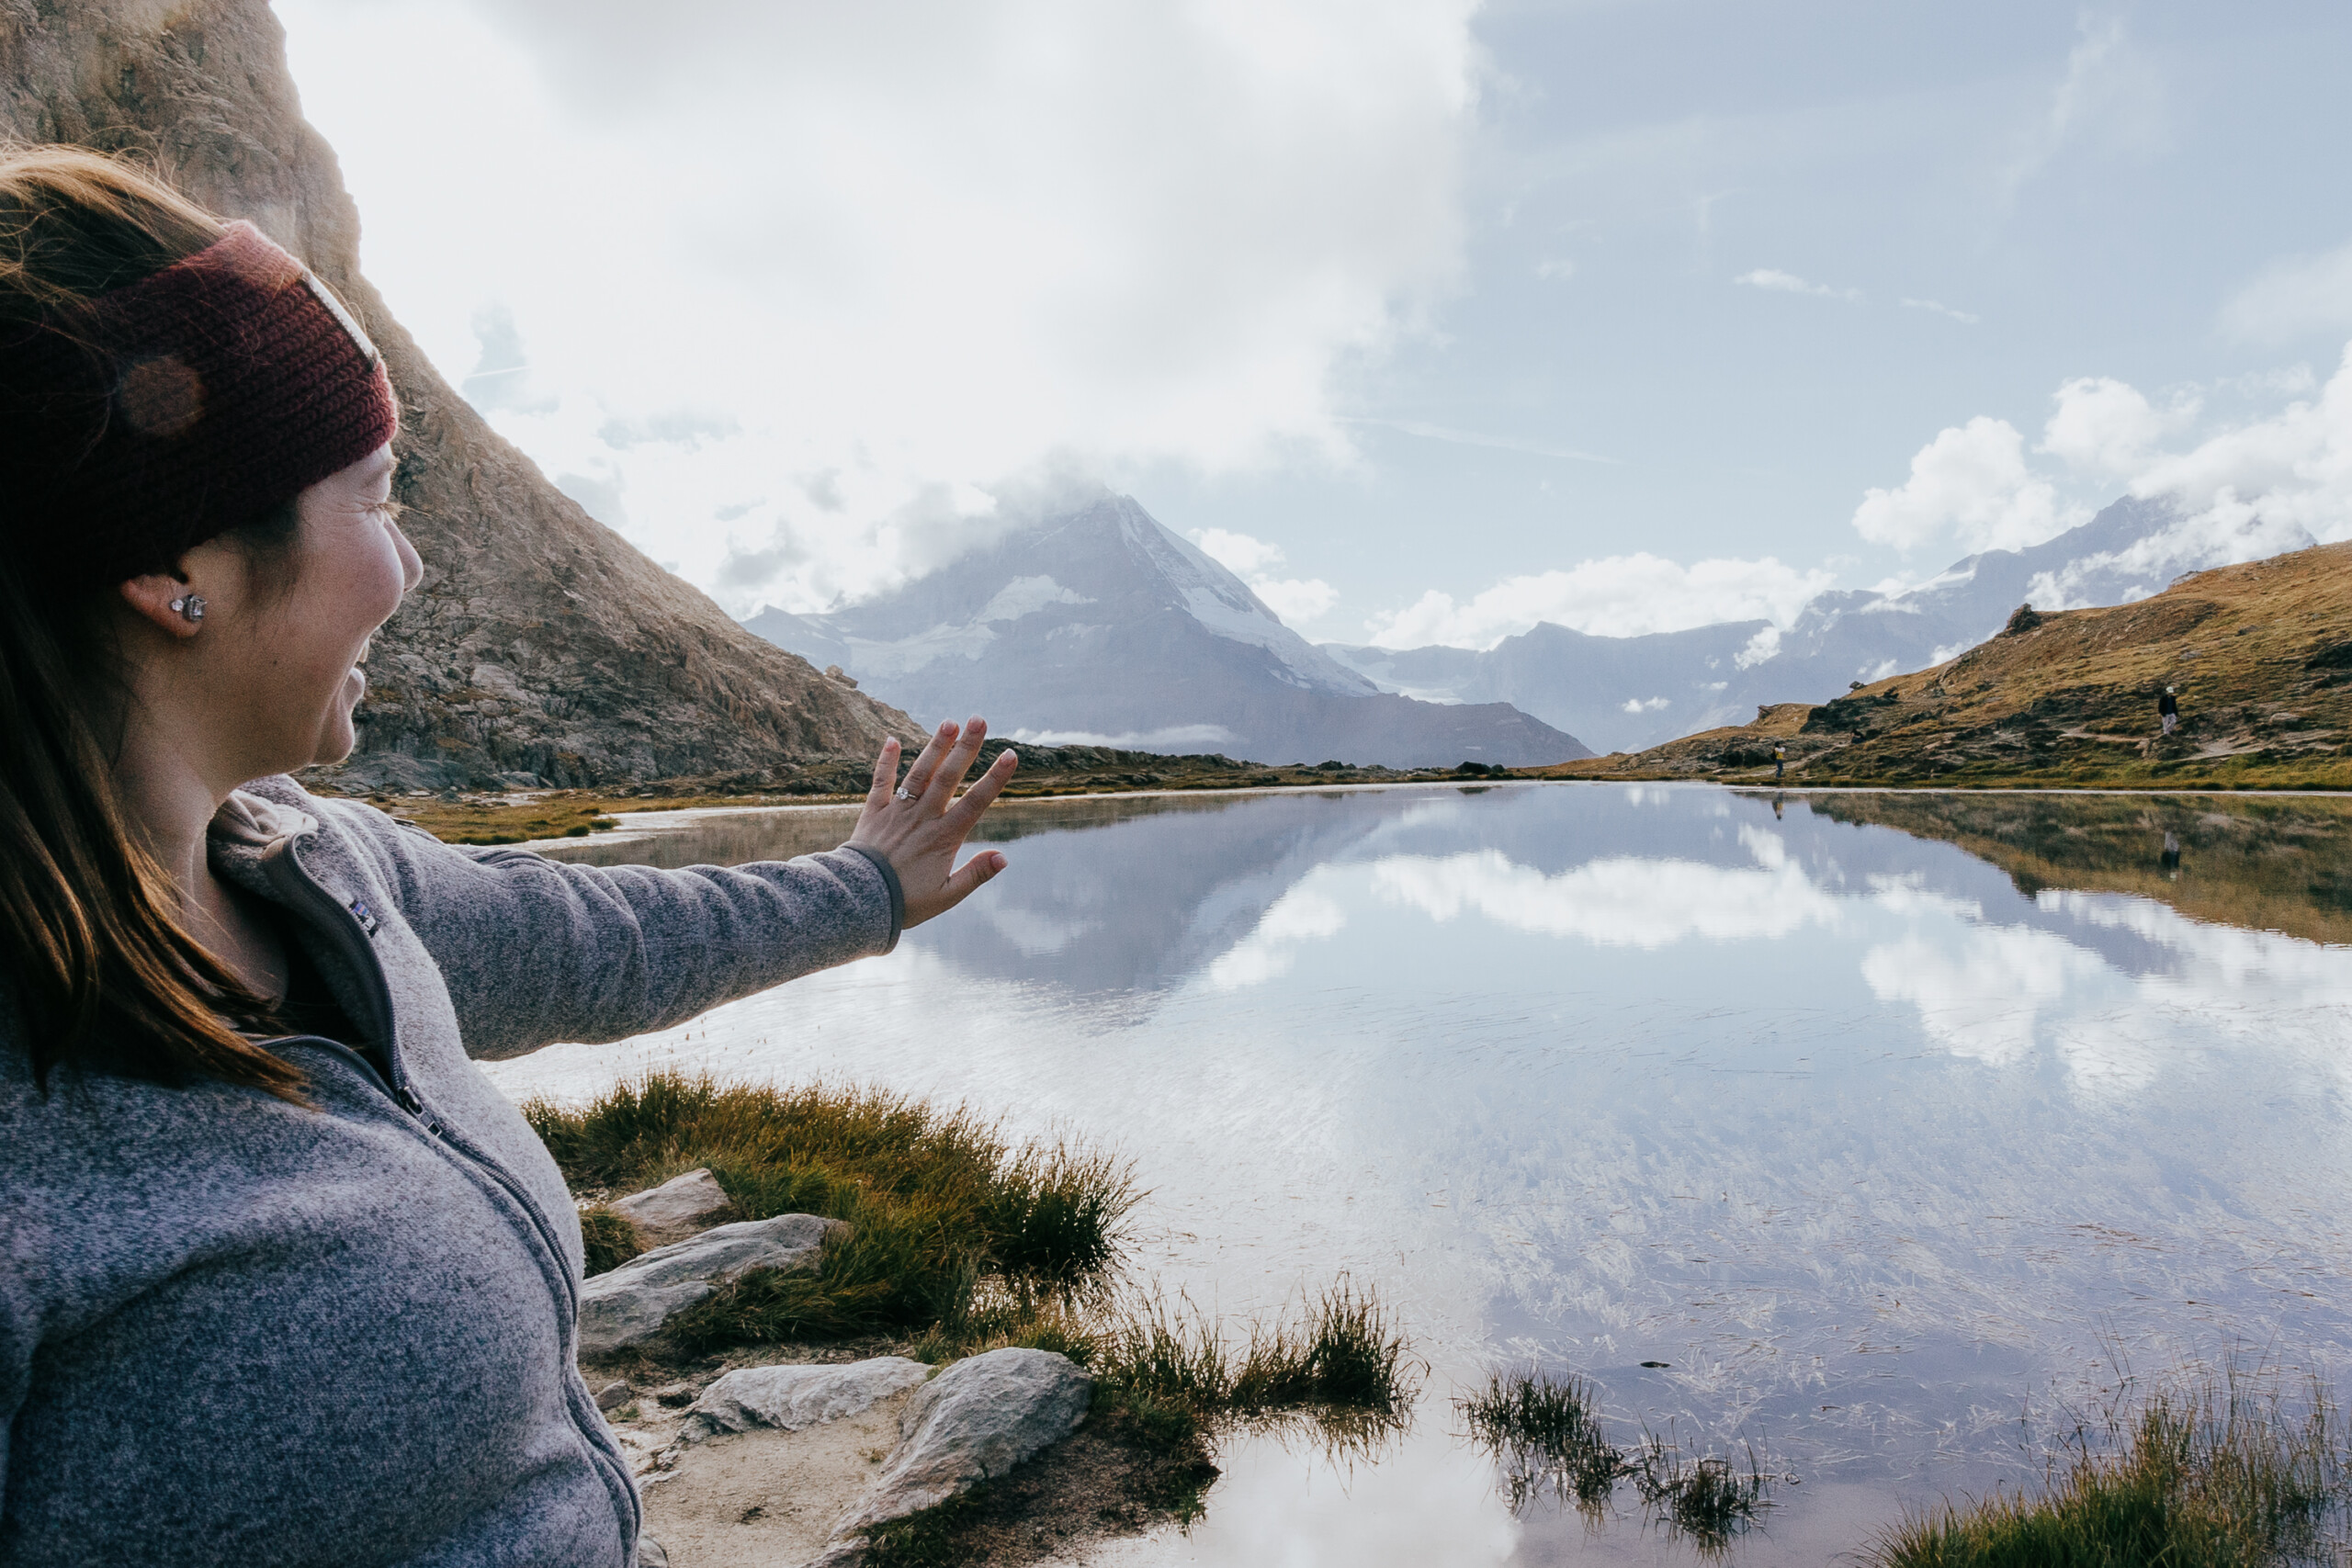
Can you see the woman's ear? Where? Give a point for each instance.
(177, 601)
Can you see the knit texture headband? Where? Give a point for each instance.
(188, 403)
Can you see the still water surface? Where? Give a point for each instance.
(1891, 1124)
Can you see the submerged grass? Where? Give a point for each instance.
(1340, 1350)
(2217, 1474)
(938, 1202)
(1546, 1436)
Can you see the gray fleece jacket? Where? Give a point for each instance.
(238, 1331)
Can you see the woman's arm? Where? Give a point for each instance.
(536, 951)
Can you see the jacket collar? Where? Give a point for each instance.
(255, 824)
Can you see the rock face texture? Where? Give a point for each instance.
(676, 1208)
(975, 1420)
(793, 1398)
(542, 648)
(631, 1302)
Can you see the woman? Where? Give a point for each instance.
(283, 1279)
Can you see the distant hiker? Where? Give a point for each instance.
(251, 1179)
(2168, 710)
(1779, 759)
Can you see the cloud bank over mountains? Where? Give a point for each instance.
(830, 275)
(2241, 488)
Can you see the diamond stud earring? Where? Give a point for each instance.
(190, 606)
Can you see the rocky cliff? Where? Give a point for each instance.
(542, 648)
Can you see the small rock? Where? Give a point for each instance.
(631, 1302)
(612, 1396)
(795, 1397)
(975, 1420)
(670, 1395)
(677, 1209)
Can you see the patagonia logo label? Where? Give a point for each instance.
(367, 917)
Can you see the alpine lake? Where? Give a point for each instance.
(1870, 1138)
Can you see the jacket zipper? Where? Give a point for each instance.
(357, 950)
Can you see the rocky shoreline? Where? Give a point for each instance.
(823, 1456)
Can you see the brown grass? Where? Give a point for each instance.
(2261, 653)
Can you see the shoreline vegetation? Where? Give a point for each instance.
(961, 1240)
(533, 817)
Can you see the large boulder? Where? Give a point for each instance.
(792, 1398)
(973, 1422)
(677, 1209)
(630, 1304)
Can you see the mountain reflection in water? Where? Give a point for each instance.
(1883, 1120)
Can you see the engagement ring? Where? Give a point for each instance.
(901, 793)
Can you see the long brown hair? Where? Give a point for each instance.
(90, 934)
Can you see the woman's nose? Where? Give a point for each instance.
(412, 564)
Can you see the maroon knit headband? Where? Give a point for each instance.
(192, 401)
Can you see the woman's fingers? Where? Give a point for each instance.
(955, 765)
(974, 872)
(984, 791)
(919, 776)
(886, 771)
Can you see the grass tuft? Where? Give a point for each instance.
(608, 1239)
(1707, 1497)
(2218, 1474)
(1547, 1435)
(940, 1203)
(1343, 1361)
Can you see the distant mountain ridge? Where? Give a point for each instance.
(1624, 694)
(1100, 625)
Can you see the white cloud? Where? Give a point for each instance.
(1937, 306)
(1971, 484)
(1238, 553)
(1294, 600)
(1774, 280)
(1301, 915)
(2291, 296)
(1618, 596)
(1652, 704)
(2112, 97)
(2109, 428)
(1621, 901)
(1555, 271)
(918, 247)
(1764, 645)
(2272, 484)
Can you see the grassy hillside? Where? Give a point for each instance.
(2261, 655)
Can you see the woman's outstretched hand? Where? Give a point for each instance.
(920, 825)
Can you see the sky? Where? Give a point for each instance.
(1430, 319)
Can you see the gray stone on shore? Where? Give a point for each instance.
(677, 1209)
(973, 1422)
(630, 1304)
(792, 1398)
